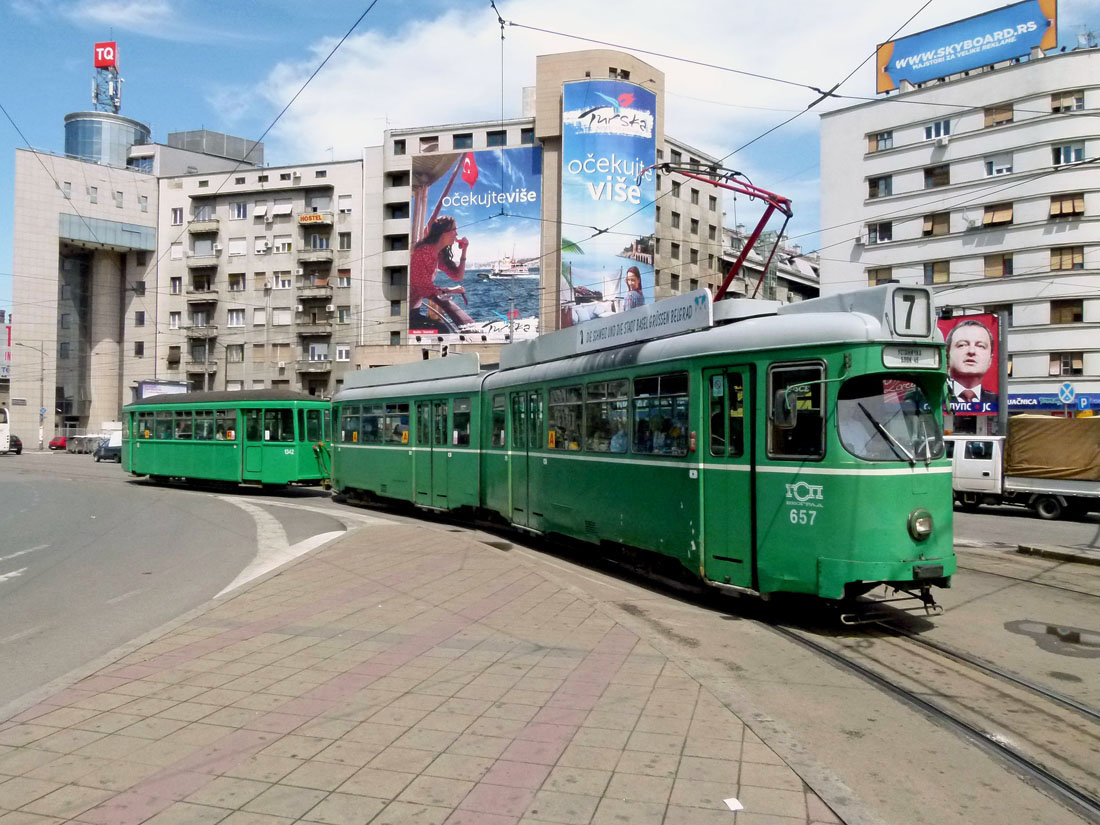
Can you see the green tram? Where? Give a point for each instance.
(763, 448)
(261, 437)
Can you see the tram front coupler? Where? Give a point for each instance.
(865, 612)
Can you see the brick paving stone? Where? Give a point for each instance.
(377, 783)
(411, 813)
(324, 776)
(20, 761)
(677, 815)
(19, 791)
(227, 792)
(67, 802)
(281, 800)
(699, 793)
(770, 776)
(458, 766)
(516, 774)
(554, 806)
(436, 790)
(618, 811)
(773, 801)
(640, 788)
(187, 813)
(344, 809)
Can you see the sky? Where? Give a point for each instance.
(232, 67)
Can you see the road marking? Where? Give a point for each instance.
(13, 574)
(124, 596)
(22, 634)
(24, 552)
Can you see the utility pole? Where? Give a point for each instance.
(41, 393)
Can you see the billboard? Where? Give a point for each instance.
(475, 263)
(972, 360)
(608, 148)
(106, 55)
(1001, 34)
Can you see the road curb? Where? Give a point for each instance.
(1059, 553)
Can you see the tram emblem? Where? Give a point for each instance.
(803, 492)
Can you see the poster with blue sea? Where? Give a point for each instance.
(474, 261)
(608, 215)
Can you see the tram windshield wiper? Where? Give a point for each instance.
(899, 449)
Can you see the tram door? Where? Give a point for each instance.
(440, 454)
(728, 490)
(526, 436)
(253, 445)
(431, 453)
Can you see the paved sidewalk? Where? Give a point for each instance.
(403, 674)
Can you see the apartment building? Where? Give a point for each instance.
(792, 275)
(983, 186)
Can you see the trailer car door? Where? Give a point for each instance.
(422, 467)
(728, 546)
(440, 454)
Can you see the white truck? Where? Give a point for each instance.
(1051, 465)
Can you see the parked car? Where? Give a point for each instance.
(106, 451)
(15, 445)
(59, 442)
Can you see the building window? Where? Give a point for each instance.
(283, 243)
(496, 138)
(998, 266)
(998, 164)
(281, 316)
(395, 338)
(694, 226)
(234, 353)
(695, 196)
(139, 286)
(343, 352)
(282, 279)
(1067, 257)
(343, 315)
(997, 214)
(174, 320)
(399, 147)
(1067, 363)
(238, 246)
(657, 185)
(238, 181)
(463, 141)
(262, 179)
(675, 252)
(998, 115)
(936, 272)
(320, 173)
(1067, 101)
(941, 128)
(429, 143)
(238, 211)
(1067, 153)
(674, 283)
(880, 187)
(712, 232)
(1066, 205)
(1070, 311)
(204, 184)
(93, 194)
(397, 179)
(880, 232)
(878, 141)
(318, 240)
(177, 216)
(675, 220)
(284, 176)
(694, 256)
(176, 285)
(936, 176)
(878, 275)
(938, 223)
(143, 203)
(712, 203)
(139, 318)
(236, 282)
(675, 157)
(202, 212)
(139, 349)
(343, 277)
(395, 308)
(396, 243)
(63, 350)
(259, 317)
(527, 136)
(173, 356)
(235, 318)
(344, 239)
(675, 189)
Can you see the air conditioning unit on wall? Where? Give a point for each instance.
(330, 308)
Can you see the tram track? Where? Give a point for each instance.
(1051, 740)
(1034, 580)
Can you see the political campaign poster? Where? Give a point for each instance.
(972, 358)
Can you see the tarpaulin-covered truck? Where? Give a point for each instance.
(1051, 465)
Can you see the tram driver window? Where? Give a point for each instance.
(660, 413)
(806, 439)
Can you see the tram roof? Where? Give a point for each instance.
(224, 397)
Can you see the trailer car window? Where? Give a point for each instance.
(144, 425)
(461, 422)
(279, 425)
(226, 427)
(806, 439)
(314, 430)
(564, 418)
(660, 413)
(371, 422)
(204, 425)
(498, 417)
(183, 424)
(349, 424)
(605, 416)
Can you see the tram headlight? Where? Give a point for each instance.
(920, 524)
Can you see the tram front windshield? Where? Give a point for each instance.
(881, 418)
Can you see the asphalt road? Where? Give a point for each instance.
(1010, 526)
(91, 559)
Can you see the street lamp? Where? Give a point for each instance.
(41, 392)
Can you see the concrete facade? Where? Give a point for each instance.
(980, 185)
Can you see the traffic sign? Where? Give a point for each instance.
(1066, 393)
(1083, 402)
(42, 411)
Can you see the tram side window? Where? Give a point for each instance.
(254, 425)
(439, 423)
(499, 413)
(605, 416)
(163, 424)
(278, 425)
(519, 421)
(371, 422)
(564, 418)
(204, 425)
(397, 423)
(727, 415)
(461, 423)
(144, 425)
(806, 439)
(225, 428)
(183, 424)
(660, 412)
(349, 425)
(424, 423)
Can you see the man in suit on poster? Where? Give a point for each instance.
(969, 357)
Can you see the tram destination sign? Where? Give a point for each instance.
(672, 316)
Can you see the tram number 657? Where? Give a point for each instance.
(803, 516)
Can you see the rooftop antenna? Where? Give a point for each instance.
(106, 85)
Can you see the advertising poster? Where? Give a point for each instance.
(474, 262)
(972, 359)
(608, 147)
(1001, 34)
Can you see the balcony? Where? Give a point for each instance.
(315, 256)
(202, 227)
(201, 331)
(315, 366)
(308, 219)
(199, 365)
(315, 291)
(313, 327)
(196, 261)
(201, 296)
